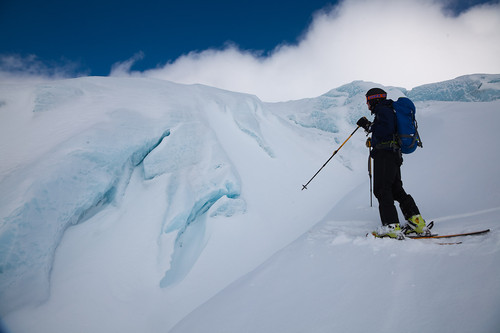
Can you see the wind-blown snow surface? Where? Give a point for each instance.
(131, 204)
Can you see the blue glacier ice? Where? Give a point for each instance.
(469, 88)
(165, 131)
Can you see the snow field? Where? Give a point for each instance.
(142, 205)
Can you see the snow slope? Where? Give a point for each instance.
(334, 279)
(131, 204)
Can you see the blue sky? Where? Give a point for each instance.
(277, 50)
(96, 34)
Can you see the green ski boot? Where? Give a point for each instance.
(417, 225)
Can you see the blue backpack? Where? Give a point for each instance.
(406, 124)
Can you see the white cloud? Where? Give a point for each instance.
(16, 67)
(397, 42)
(123, 68)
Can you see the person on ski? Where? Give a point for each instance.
(387, 157)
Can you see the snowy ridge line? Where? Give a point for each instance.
(467, 88)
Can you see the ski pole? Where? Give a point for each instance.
(304, 187)
(370, 173)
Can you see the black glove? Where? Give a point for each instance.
(364, 123)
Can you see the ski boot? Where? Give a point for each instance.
(390, 230)
(416, 224)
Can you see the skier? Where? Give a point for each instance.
(387, 157)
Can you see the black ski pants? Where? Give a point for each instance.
(388, 187)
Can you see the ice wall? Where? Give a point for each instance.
(84, 138)
(470, 88)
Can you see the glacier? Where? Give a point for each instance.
(469, 88)
(90, 169)
(143, 198)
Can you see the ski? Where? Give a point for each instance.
(473, 233)
(437, 236)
